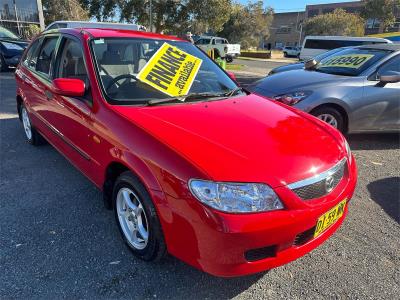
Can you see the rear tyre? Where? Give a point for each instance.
(137, 219)
(32, 136)
(331, 116)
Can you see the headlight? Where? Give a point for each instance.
(11, 46)
(235, 197)
(292, 98)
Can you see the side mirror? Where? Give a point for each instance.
(310, 64)
(69, 87)
(389, 77)
(232, 76)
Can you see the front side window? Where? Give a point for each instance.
(46, 55)
(72, 64)
(351, 62)
(119, 61)
(392, 66)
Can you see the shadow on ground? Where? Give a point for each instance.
(381, 141)
(386, 193)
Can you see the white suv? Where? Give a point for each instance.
(291, 51)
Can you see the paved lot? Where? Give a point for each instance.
(57, 240)
(261, 67)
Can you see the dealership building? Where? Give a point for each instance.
(18, 15)
(286, 28)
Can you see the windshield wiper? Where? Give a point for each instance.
(184, 98)
(234, 91)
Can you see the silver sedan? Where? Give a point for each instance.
(355, 90)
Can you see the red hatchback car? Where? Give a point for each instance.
(192, 164)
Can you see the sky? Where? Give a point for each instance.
(292, 5)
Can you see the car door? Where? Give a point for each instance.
(37, 82)
(382, 102)
(73, 116)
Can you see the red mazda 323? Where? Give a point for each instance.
(192, 164)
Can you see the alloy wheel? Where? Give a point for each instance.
(328, 118)
(26, 123)
(132, 218)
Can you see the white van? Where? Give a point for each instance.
(315, 45)
(83, 24)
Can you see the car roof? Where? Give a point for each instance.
(390, 47)
(108, 32)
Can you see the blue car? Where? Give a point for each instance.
(11, 49)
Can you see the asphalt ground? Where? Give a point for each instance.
(260, 67)
(58, 241)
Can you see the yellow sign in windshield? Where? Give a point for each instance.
(170, 70)
(353, 61)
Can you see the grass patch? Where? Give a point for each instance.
(232, 67)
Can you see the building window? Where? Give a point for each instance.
(284, 30)
(313, 13)
(372, 23)
(327, 10)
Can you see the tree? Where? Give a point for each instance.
(55, 10)
(339, 22)
(248, 24)
(208, 15)
(382, 10)
(175, 16)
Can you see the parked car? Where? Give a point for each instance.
(315, 45)
(85, 24)
(221, 47)
(289, 51)
(218, 177)
(300, 65)
(11, 49)
(355, 90)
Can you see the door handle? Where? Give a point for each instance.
(49, 95)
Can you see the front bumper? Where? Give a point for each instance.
(219, 243)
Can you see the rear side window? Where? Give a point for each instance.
(46, 55)
(30, 57)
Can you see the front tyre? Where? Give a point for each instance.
(229, 59)
(137, 218)
(331, 116)
(32, 136)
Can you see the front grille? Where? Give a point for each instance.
(320, 185)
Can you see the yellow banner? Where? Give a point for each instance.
(353, 61)
(171, 70)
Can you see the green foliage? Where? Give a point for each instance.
(31, 31)
(168, 15)
(382, 10)
(208, 15)
(56, 10)
(248, 24)
(339, 22)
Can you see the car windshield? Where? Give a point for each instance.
(134, 71)
(321, 56)
(350, 61)
(5, 33)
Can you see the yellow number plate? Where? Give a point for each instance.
(329, 218)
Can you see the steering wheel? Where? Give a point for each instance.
(118, 78)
